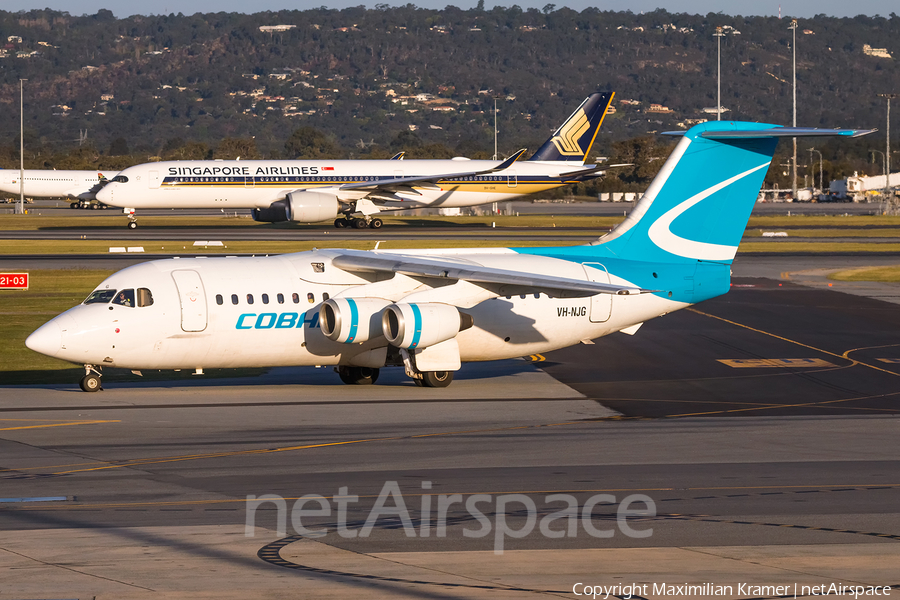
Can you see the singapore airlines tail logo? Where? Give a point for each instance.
(661, 234)
(566, 139)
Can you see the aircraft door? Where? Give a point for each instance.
(192, 299)
(511, 179)
(601, 304)
(153, 180)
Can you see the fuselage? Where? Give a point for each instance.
(264, 312)
(257, 184)
(54, 184)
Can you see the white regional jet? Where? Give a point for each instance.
(356, 191)
(430, 310)
(80, 186)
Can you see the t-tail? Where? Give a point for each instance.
(573, 140)
(697, 207)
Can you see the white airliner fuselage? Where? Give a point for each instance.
(40, 183)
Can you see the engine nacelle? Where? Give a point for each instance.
(352, 320)
(419, 325)
(303, 207)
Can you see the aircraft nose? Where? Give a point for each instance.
(47, 339)
(105, 194)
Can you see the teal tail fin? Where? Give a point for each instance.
(573, 140)
(698, 205)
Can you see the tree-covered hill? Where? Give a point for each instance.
(365, 82)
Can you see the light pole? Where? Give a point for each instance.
(887, 151)
(821, 186)
(20, 207)
(883, 169)
(794, 48)
(719, 35)
(495, 128)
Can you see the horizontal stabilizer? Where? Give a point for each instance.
(777, 132)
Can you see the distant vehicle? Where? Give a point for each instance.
(428, 311)
(355, 192)
(79, 186)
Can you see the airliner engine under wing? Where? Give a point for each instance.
(430, 310)
(46, 183)
(356, 191)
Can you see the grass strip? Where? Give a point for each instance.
(887, 274)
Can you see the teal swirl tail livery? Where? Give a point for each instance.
(696, 209)
(573, 140)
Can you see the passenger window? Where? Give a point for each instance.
(280, 298)
(249, 298)
(265, 298)
(234, 299)
(295, 297)
(125, 298)
(311, 298)
(145, 297)
(100, 297)
(219, 299)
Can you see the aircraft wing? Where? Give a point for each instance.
(448, 269)
(591, 171)
(398, 183)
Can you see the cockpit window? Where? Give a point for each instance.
(125, 298)
(145, 297)
(119, 179)
(100, 297)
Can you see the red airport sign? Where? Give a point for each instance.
(13, 281)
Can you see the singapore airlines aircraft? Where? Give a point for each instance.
(356, 191)
(431, 310)
(80, 186)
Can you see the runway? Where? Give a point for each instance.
(762, 427)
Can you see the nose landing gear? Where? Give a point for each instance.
(91, 380)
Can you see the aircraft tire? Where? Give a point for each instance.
(437, 379)
(376, 223)
(358, 375)
(90, 383)
(340, 223)
(73, 205)
(95, 206)
(132, 225)
(360, 223)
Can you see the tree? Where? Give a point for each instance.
(309, 142)
(119, 147)
(234, 148)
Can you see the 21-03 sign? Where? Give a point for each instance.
(13, 281)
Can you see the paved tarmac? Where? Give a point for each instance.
(776, 467)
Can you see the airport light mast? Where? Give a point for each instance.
(794, 48)
(20, 207)
(888, 191)
(719, 35)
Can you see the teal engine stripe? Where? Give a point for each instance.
(417, 325)
(354, 320)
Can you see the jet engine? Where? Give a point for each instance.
(352, 320)
(423, 324)
(303, 207)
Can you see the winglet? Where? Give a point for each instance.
(509, 161)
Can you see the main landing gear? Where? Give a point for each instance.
(91, 380)
(358, 223)
(358, 375)
(435, 379)
(132, 220)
